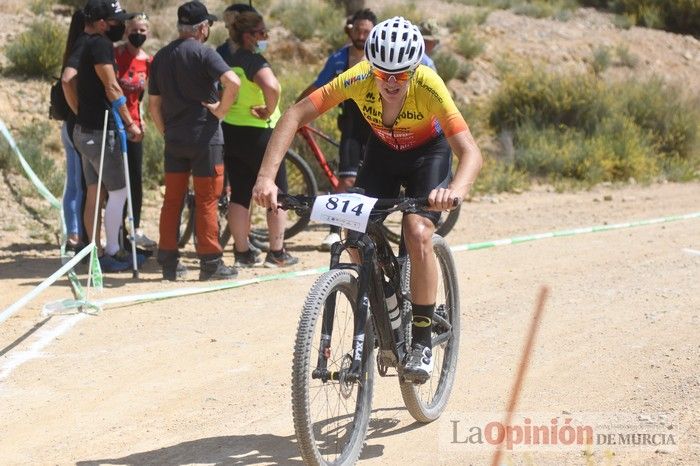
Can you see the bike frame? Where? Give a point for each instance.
(307, 132)
(378, 262)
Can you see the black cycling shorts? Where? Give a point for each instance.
(244, 147)
(354, 133)
(420, 170)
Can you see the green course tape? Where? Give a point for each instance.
(572, 232)
(4, 315)
(64, 305)
(77, 289)
(67, 304)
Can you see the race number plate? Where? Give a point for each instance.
(347, 210)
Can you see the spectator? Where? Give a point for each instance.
(186, 109)
(133, 65)
(230, 14)
(98, 91)
(247, 128)
(429, 28)
(73, 192)
(354, 130)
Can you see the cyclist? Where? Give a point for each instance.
(354, 130)
(415, 127)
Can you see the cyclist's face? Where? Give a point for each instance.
(359, 32)
(392, 90)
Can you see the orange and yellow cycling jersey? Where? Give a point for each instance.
(427, 112)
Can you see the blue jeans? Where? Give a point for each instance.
(73, 191)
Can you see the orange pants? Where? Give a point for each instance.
(207, 190)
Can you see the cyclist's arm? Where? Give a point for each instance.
(301, 113)
(312, 87)
(470, 160)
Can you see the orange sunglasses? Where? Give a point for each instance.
(401, 77)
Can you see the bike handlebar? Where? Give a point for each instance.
(302, 203)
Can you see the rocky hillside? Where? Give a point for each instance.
(568, 45)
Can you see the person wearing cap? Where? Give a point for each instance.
(354, 130)
(186, 109)
(98, 91)
(429, 28)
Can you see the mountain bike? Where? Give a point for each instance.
(300, 180)
(350, 311)
(392, 224)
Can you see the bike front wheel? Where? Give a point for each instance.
(427, 401)
(300, 181)
(331, 414)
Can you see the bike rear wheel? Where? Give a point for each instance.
(300, 180)
(427, 401)
(331, 418)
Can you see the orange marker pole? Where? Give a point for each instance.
(522, 368)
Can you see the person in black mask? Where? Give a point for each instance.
(133, 65)
(99, 91)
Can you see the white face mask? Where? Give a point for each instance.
(261, 46)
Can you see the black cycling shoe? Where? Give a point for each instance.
(179, 272)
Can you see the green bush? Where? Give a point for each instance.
(545, 99)
(601, 59)
(468, 45)
(663, 112)
(578, 128)
(31, 141)
(497, 176)
(447, 66)
(153, 146)
(408, 10)
(307, 19)
(38, 51)
(681, 16)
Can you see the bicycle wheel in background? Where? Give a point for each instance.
(331, 418)
(427, 401)
(300, 180)
(447, 221)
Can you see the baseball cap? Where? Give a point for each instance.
(96, 10)
(194, 12)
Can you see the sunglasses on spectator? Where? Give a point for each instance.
(400, 77)
(262, 31)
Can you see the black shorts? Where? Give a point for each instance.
(354, 133)
(418, 170)
(244, 147)
(198, 159)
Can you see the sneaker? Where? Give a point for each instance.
(246, 259)
(174, 274)
(279, 259)
(419, 364)
(125, 256)
(144, 241)
(329, 241)
(110, 264)
(216, 270)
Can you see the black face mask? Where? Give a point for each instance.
(137, 39)
(116, 33)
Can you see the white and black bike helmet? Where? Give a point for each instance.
(395, 45)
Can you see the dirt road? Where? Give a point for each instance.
(205, 379)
